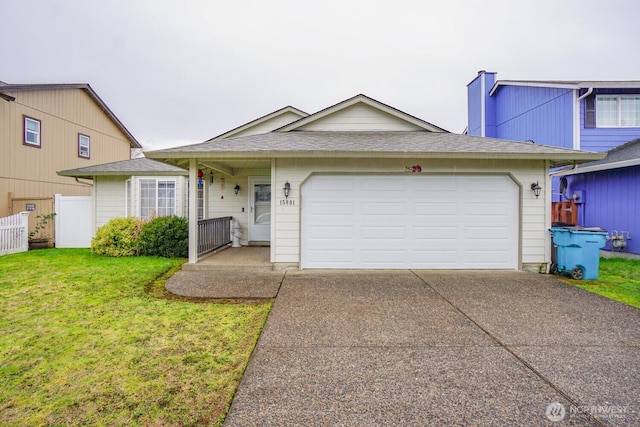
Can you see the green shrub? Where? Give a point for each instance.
(166, 236)
(119, 237)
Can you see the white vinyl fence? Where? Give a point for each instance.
(14, 233)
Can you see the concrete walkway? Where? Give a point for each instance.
(441, 348)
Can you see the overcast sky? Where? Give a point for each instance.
(178, 72)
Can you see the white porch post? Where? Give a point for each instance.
(193, 211)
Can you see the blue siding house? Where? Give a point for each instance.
(582, 115)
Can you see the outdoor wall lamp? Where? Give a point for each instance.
(536, 188)
(236, 189)
(287, 188)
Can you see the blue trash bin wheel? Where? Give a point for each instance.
(577, 273)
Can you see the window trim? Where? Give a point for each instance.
(25, 118)
(618, 97)
(88, 138)
(154, 214)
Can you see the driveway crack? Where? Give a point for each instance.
(537, 373)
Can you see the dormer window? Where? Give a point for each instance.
(618, 111)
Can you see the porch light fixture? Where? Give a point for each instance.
(536, 188)
(287, 188)
(236, 189)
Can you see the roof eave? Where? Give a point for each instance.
(598, 168)
(90, 175)
(558, 159)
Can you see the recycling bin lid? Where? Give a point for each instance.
(579, 228)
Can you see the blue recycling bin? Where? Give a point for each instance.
(577, 251)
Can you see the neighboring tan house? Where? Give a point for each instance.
(45, 128)
(583, 115)
(140, 187)
(361, 184)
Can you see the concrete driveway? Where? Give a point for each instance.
(441, 348)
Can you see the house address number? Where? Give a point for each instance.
(287, 202)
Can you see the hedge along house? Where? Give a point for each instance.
(361, 184)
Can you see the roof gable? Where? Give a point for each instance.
(266, 123)
(10, 88)
(360, 113)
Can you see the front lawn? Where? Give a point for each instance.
(619, 279)
(83, 343)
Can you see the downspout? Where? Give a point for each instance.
(83, 183)
(576, 118)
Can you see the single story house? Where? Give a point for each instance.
(361, 184)
(140, 187)
(606, 193)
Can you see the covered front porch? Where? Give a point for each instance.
(231, 203)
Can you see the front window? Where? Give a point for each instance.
(157, 198)
(31, 132)
(84, 146)
(618, 111)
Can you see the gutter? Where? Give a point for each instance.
(584, 95)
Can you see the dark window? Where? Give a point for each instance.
(590, 111)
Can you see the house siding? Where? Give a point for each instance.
(31, 172)
(360, 117)
(603, 139)
(474, 107)
(109, 198)
(610, 200)
(543, 115)
(269, 125)
(286, 227)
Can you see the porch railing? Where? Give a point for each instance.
(213, 233)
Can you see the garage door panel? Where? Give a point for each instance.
(333, 232)
(413, 221)
(382, 232)
(434, 208)
(484, 233)
(434, 233)
(377, 208)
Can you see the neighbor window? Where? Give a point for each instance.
(31, 131)
(84, 143)
(157, 198)
(618, 111)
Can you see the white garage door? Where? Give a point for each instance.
(410, 221)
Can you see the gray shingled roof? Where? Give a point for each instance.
(141, 166)
(379, 144)
(6, 87)
(625, 155)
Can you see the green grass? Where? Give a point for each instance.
(619, 279)
(91, 340)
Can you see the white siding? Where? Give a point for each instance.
(286, 227)
(109, 196)
(360, 117)
(269, 125)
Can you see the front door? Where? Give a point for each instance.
(260, 209)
